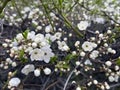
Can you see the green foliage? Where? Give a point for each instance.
(25, 34)
(70, 57)
(21, 56)
(53, 59)
(118, 61)
(2, 15)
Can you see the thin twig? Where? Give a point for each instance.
(52, 85)
(115, 85)
(69, 78)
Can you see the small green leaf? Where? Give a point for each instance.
(25, 34)
(118, 61)
(69, 57)
(53, 59)
(21, 56)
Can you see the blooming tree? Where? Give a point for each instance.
(60, 45)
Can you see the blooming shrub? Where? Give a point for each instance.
(54, 51)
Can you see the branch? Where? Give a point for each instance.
(3, 5)
(52, 85)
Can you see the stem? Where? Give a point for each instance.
(75, 29)
(4, 87)
(52, 85)
(15, 5)
(47, 13)
(3, 5)
(68, 79)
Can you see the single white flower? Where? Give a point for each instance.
(62, 46)
(82, 25)
(87, 62)
(14, 82)
(19, 37)
(108, 63)
(34, 44)
(77, 63)
(77, 43)
(38, 38)
(47, 53)
(5, 45)
(116, 77)
(37, 72)
(82, 54)
(50, 37)
(39, 27)
(94, 54)
(58, 35)
(87, 46)
(48, 28)
(31, 35)
(78, 88)
(29, 49)
(27, 69)
(52, 14)
(14, 64)
(111, 78)
(109, 31)
(95, 82)
(14, 43)
(47, 71)
(36, 54)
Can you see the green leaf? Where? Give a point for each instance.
(118, 61)
(25, 34)
(2, 15)
(60, 3)
(53, 59)
(21, 56)
(69, 57)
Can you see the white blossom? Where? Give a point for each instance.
(82, 25)
(37, 72)
(62, 46)
(31, 35)
(48, 28)
(50, 37)
(95, 82)
(47, 54)
(29, 49)
(36, 54)
(77, 43)
(58, 35)
(47, 71)
(108, 63)
(94, 54)
(87, 62)
(27, 69)
(78, 88)
(111, 78)
(82, 54)
(19, 37)
(38, 38)
(14, 82)
(34, 45)
(88, 46)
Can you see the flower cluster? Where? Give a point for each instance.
(84, 58)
